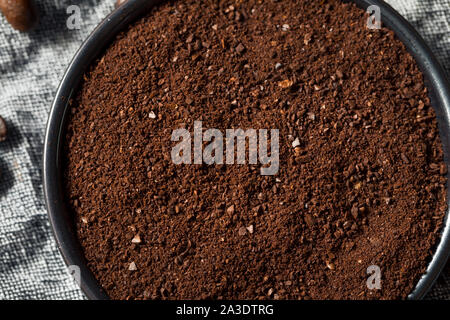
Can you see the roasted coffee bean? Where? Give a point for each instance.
(3, 129)
(21, 14)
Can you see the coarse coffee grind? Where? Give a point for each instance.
(355, 207)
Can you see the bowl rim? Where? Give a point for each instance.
(98, 40)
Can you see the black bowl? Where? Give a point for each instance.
(101, 37)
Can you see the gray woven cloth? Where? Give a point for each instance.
(31, 65)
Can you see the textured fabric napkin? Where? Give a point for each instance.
(31, 66)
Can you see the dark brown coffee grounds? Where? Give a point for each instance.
(363, 185)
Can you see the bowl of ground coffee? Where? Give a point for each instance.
(336, 188)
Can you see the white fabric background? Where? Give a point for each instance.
(31, 65)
